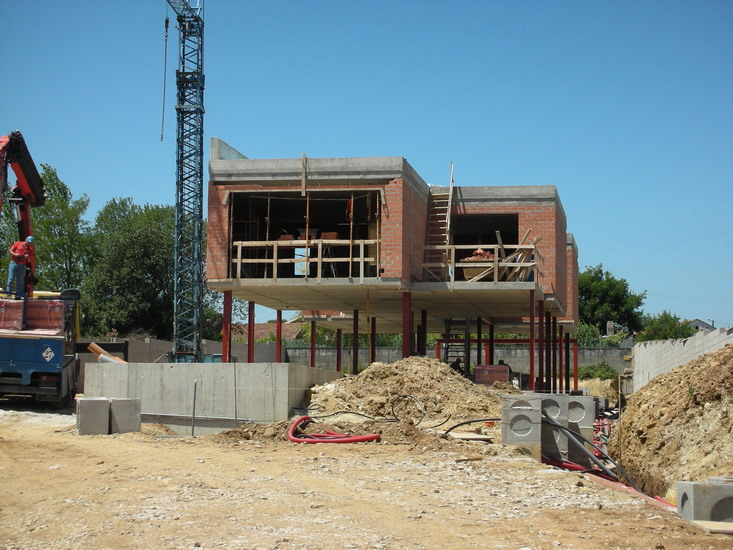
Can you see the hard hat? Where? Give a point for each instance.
(29, 239)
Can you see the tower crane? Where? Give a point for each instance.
(188, 269)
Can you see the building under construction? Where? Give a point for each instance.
(364, 245)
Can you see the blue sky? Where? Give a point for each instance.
(626, 107)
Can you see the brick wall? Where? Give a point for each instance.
(573, 313)
(403, 224)
(217, 242)
(545, 220)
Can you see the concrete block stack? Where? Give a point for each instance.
(103, 416)
(521, 422)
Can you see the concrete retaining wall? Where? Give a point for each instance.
(226, 393)
(662, 356)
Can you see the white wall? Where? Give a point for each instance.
(661, 356)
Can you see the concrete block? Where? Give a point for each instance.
(706, 501)
(555, 440)
(124, 416)
(92, 415)
(521, 422)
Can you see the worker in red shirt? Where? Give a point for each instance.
(20, 252)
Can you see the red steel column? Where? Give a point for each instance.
(531, 340)
(406, 336)
(554, 354)
(492, 345)
(423, 347)
(575, 364)
(251, 332)
(541, 345)
(373, 340)
(338, 349)
(279, 337)
(479, 340)
(226, 329)
(355, 345)
(567, 362)
(547, 385)
(313, 344)
(560, 361)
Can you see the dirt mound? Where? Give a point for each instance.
(605, 389)
(679, 426)
(435, 391)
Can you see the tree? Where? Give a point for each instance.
(664, 326)
(130, 284)
(62, 235)
(603, 298)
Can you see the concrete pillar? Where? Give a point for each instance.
(226, 328)
(251, 332)
(531, 340)
(339, 334)
(406, 328)
(279, 337)
(355, 345)
(313, 344)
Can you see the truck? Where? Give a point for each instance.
(38, 330)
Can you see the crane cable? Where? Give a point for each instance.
(165, 76)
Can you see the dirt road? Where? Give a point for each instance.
(149, 490)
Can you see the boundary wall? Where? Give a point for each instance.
(661, 356)
(517, 358)
(227, 394)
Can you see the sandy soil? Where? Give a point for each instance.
(251, 488)
(679, 426)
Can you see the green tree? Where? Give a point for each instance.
(664, 326)
(62, 235)
(129, 288)
(603, 297)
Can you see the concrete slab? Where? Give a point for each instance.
(124, 416)
(92, 415)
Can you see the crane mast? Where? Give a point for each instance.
(188, 276)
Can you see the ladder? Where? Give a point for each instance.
(438, 233)
(458, 341)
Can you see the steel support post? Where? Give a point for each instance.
(554, 354)
(406, 328)
(313, 344)
(355, 345)
(547, 385)
(251, 332)
(279, 337)
(372, 340)
(479, 341)
(567, 363)
(339, 340)
(540, 345)
(226, 328)
(531, 341)
(492, 344)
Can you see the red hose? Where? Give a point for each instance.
(328, 437)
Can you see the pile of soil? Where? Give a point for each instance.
(411, 402)
(679, 427)
(431, 387)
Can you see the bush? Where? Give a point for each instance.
(602, 370)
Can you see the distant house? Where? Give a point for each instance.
(699, 324)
